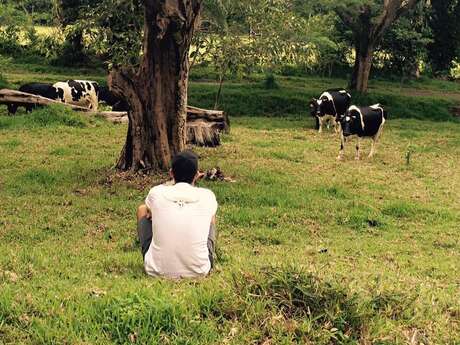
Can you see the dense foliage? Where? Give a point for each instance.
(239, 37)
(38, 11)
(444, 21)
(404, 46)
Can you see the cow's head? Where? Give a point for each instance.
(316, 106)
(106, 96)
(350, 122)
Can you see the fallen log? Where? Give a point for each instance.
(203, 133)
(21, 98)
(203, 126)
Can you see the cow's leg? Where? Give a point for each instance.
(358, 144)
(336, 126)
(375, 138)
(94, 102)
(316, 122)
(320, 125)
(342, 146)
(12, 108)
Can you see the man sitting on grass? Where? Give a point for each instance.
(183, 219)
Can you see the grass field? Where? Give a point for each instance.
(311, 250)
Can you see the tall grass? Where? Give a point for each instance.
(53, 115)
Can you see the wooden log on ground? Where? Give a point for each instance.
(204, 126)
(21, 98)
(204, 133)
(217, 116)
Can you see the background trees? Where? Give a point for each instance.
(404, 45)
(69, 14)
(244, 36)
(444, 20)
(368, 21)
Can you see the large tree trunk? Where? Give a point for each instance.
(364, 42)
(157, 91)
(362, 69)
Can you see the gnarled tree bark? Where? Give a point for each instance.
(157, 90)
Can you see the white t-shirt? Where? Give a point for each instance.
(181, 218)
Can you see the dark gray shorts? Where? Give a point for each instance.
(144, 230)
(145, 233)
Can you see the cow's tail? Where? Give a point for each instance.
(384, 112)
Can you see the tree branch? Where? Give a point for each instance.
(392, 10)
(346, 17)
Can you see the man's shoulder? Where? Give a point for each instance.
(208, 197)
(202, 192)
(156, 189)
(206, 192)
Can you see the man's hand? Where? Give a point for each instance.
(200, 175)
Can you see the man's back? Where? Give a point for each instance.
(181, 219)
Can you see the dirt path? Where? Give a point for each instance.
(452, 95)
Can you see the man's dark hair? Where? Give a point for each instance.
(184, 166)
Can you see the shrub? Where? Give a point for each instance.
(9, 40)
(3, 82)
(270, 82)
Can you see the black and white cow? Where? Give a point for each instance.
(39, 89)
(106, 96)
(330, 105)
(362, 122)
(83, 93)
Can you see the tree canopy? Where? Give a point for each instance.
(401, 37)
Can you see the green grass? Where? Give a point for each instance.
(51, 116)
(311, 250)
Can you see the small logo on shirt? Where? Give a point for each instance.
(180, 203)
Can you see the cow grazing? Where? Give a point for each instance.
(39, 89)
(117, 104)
(330, 105)
(362, 122)
(83, 93)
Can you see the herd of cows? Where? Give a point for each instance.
(84, 93)
(332, 107)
